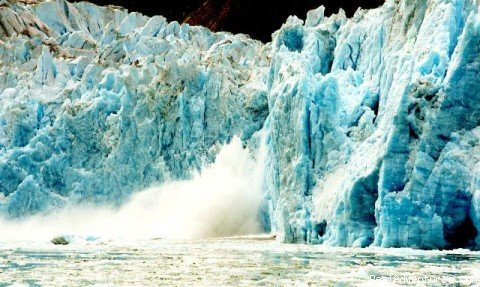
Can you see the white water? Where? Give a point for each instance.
(223, 200)
(230, 262)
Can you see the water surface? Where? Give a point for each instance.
(229, 262)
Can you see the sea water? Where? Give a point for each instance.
(240, 261)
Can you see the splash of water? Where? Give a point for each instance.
(223, 200)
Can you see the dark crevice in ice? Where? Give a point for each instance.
(361, 205)
(320, 228)
(293, 39)
(463, 236)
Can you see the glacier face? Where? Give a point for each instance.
(97, 103)
(372, 127)
(372, 124)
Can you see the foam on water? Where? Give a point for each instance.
(237, 262)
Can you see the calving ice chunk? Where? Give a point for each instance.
(371, 124)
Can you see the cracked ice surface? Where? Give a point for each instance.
(371, 123)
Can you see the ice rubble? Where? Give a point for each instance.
(371, 123)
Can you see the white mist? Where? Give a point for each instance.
(223, 200)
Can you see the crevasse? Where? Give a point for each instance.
(371, 123)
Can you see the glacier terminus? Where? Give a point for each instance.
(370, 124)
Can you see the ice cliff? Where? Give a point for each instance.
(97, 103)
(371, 124)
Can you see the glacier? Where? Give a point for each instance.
(371, 124)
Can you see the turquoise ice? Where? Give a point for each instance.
(372, 123)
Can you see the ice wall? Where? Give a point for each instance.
(372, 126)
(97, 103)
(372, 123)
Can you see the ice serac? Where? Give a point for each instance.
(96, 103)
(372, 127)
(372, 123)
